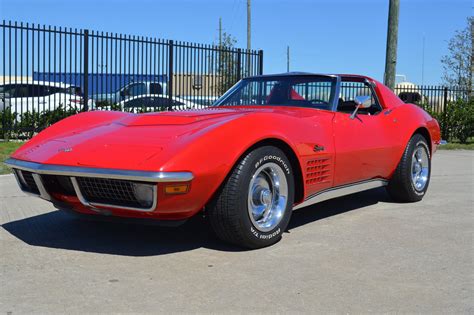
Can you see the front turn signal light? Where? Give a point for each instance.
(176, 189)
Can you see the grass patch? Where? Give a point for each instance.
(6, 149)
(456, 146)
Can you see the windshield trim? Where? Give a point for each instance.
(335, 91)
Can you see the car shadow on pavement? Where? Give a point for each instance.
(58, 229)
(337, 206)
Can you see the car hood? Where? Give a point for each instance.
(126, 142)
(132, 141)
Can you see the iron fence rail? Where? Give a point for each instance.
(432, 97)
(50, 72)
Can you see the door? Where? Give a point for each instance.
(362, 145)
(317, 157)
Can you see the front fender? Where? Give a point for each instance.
(212, 155)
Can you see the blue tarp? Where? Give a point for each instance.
(99, 83)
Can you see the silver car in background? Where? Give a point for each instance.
(40, 96)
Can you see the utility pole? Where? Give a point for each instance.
(287, 58)
(392, 40)
(220, 32)
(472, 58)
(249, 43)
(249, 17)
(423, 61)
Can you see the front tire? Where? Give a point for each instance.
(412, 176)
(253, 207)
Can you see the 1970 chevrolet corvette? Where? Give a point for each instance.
(269, 145)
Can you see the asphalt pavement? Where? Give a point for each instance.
(357, 254)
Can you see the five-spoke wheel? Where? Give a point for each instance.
(267, 196)
(254, 206)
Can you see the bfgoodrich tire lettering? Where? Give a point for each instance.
(253, 207)
(412, 176)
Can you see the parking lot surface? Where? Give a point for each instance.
(360, 253)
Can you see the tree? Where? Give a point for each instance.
(227, 67)
(457, 64)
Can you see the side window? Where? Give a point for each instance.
(137, 102)
(410, 97)
(6, 90)
(72, 90)
(136, 89)
(175, 102)
(53, 90)
(150, 102)
(38, 90)
(155, 88)
(161, 102)
(350, 90)
(314, 94)
(22, 90)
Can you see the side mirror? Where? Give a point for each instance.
(362, 101)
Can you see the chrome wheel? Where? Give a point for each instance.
(267, 197)
(420, 167)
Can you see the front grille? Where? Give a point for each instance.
(29, 183)
(58, 184)
(108, 191)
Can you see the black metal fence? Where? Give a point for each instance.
(431, 97)
(48, 73)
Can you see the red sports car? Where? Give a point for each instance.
(269, 145)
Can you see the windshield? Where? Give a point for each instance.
(307, 91)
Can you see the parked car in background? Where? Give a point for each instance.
(40, 96)
(131, 90)
(155, 102)
(200, 100)
(269, 145)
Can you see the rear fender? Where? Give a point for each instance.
(414, 120)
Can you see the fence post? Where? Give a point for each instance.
(85, 82)
(239, 64)
(260, 62)
(445, 128)
(170, 74)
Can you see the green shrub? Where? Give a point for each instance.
(456, 121)
(7, 122)
(462, 123)
(28, 123)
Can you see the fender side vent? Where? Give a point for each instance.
(318, 171)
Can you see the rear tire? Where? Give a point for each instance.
(253, 207)
(412, 176)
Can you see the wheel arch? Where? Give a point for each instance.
(426, 134)
(291, 155)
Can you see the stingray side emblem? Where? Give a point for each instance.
(66, 149)
(318, 148)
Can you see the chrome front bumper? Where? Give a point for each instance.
(142, 176)
(38, 169)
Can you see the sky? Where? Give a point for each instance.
(338, 36)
